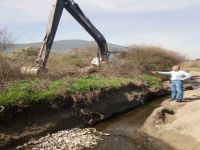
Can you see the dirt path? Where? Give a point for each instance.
(178, 124)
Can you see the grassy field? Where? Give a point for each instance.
(36, 91)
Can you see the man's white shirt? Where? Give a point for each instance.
(177, 75)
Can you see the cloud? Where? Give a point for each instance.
(34, 11)
(173, 24)
(37, 10)
(21, 11)
(137, 6)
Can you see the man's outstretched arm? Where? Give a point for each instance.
(162, 72)
(165, 72)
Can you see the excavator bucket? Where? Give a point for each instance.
(33, 70)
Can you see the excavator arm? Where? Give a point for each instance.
(54, 19)
(77, 13)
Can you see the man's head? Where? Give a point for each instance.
(176, 68)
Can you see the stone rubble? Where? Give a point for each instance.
(75, 139)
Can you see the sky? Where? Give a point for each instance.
(171, 24)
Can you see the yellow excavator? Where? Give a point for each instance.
(53, 22)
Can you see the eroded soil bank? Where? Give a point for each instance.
(18, 125)
(178, 124)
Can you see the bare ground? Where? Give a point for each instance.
(178, 124)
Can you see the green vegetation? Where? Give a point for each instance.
(93, 83)
(36, 91)
(151, 81)
(132, 66)
(28, 92)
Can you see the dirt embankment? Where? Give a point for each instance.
(178, 124)
(18, 125)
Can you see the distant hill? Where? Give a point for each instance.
(64, 46)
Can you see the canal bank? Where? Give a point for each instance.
(79, 111)
(127, 131)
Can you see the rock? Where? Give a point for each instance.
(158, 118)
(188, 86)
(75, 139)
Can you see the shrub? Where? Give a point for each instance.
(10, 64)
(59, 64)
(192, 65)
(8, 71)
(143, 59)
(137, 60)
(25, 55)
(6, 39)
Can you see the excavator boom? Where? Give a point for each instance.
(54, 19)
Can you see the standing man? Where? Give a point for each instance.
(177, 78)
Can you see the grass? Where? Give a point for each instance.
(93, 83)
(151, 81)
(37, 91)
(30, 92)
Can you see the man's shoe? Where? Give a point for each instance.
(179, 100)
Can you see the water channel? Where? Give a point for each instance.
(124, 130)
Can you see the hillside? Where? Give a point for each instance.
(64, 45)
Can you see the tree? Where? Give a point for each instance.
(6, 39)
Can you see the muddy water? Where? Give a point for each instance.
(125, 134)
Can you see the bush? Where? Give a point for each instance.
(10, 64)
(59, 64)
(143, 59)
(8, 71)
(192, 65)
(6, 39)
(136, 61)
(25, 55)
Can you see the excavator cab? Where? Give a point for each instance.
(53, 22)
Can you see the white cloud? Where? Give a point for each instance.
(37, 10)
(172, 41)
(137, 6)
(124, 21)
(20, 11)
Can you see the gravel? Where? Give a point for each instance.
(75, 139)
